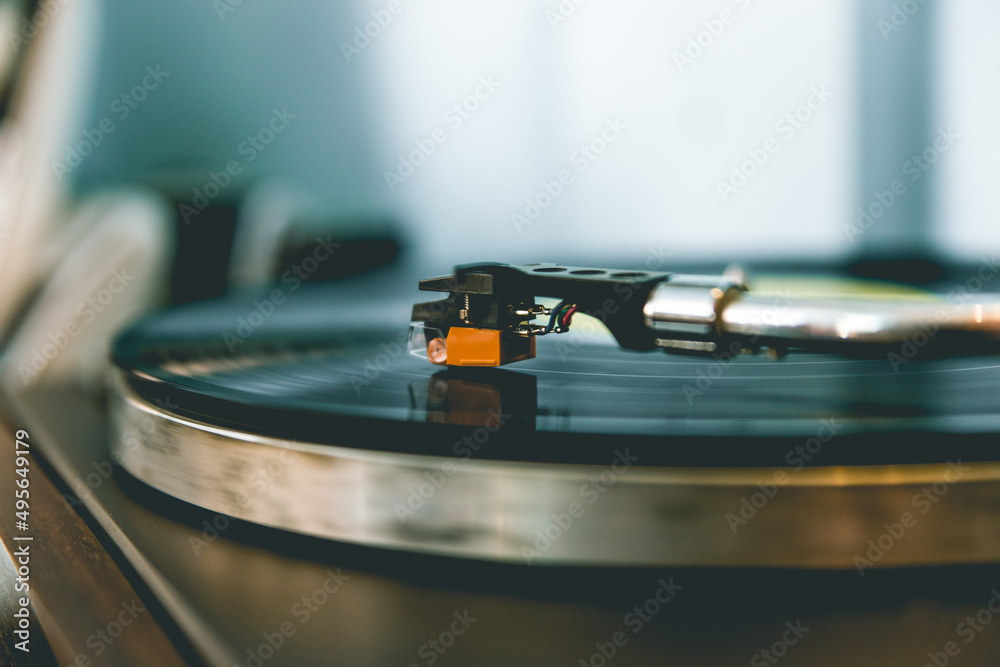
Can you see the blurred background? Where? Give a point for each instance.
(689, 120)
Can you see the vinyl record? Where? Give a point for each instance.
(310, 415)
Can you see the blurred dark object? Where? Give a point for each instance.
(284, 234)
(203, 249)
(895, 121)
(913, 270)
(358, 247)
(16, 20)
(272, 238)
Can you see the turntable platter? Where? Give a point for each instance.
(586, 454)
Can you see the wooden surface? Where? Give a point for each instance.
(88, 611)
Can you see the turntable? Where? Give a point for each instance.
(832, 449)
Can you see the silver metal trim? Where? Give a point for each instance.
(696, 308)
(798, 320)
(821, 518)
(687, 305)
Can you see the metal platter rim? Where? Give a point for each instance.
(497, 511)
(839, 475)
